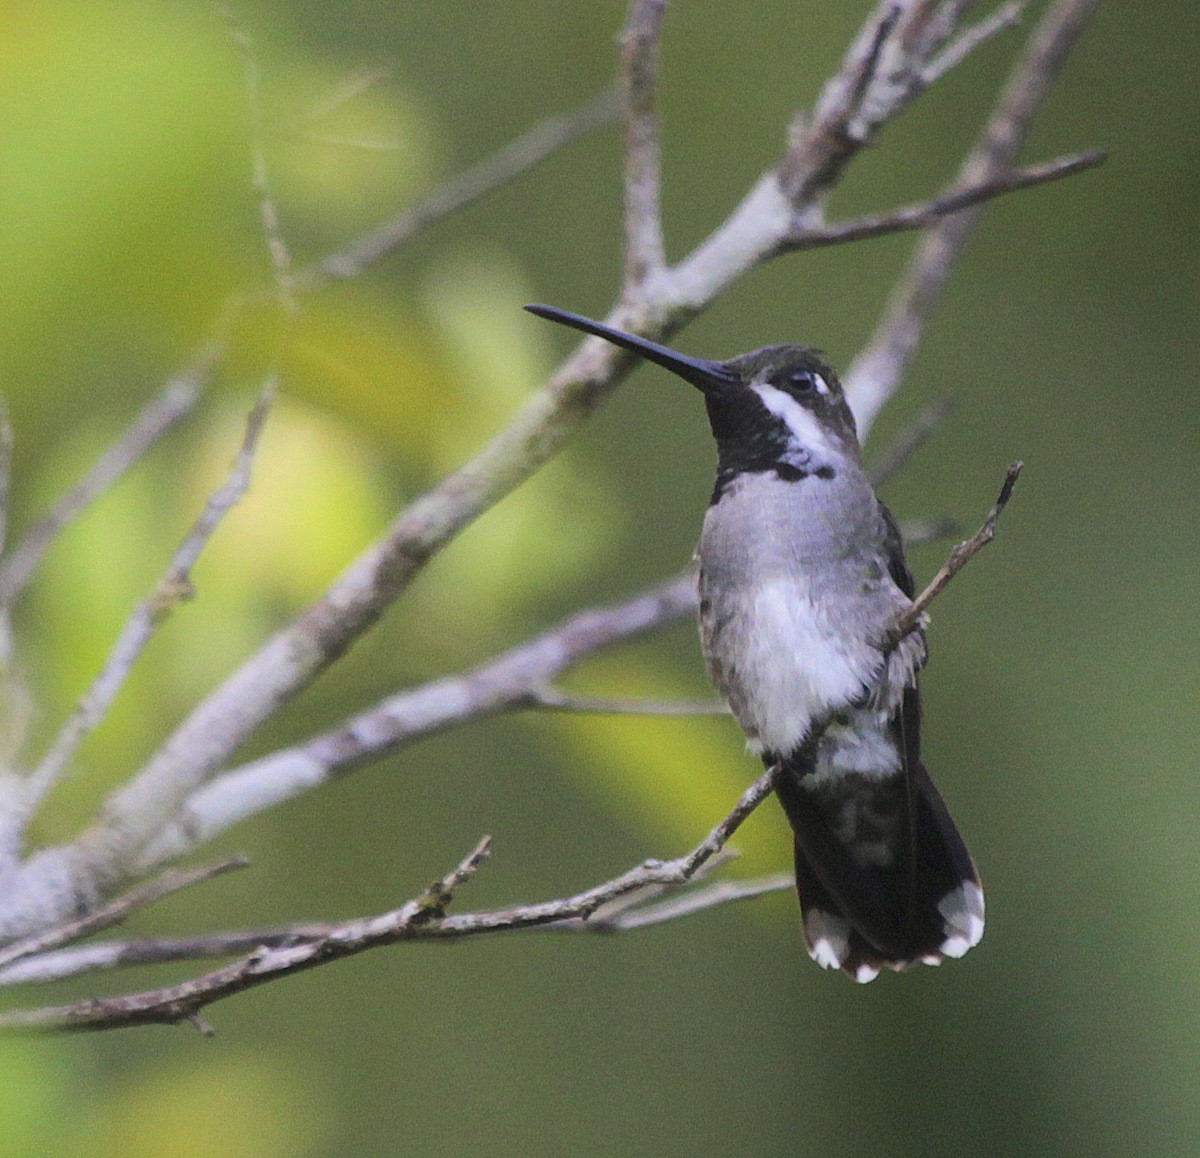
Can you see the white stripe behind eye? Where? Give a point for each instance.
(820, 383)
(802, 423)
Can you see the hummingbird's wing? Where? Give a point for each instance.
(893, 545)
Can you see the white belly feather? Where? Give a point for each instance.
(790, 667)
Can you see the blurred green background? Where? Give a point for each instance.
(1061, 703)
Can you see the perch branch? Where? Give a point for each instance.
(105, 956)
(419, 919)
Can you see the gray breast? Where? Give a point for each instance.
(795, 594)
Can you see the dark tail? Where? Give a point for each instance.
(883, 876)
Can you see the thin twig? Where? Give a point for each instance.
(350, 89)
(113, 913)
(173, 588)
(528, 150)
(268, 207)
(608, 914)
(636, 910)
(437, 897)
(415, 920)
(172, 404)
(876, 372)
(922, 214)
(553, 700)
(644, 257)
(957, 50)
(137, 952)
(918, 532)
(962, 554)
(689, 903)
(896, 456)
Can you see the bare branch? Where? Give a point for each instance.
(528, 150)
(644, 256)
(135, 952)
(553, 700)
(923, 214)
(505, 683)
(882, 73)
(688, 903)
(876, 372)
(174, 587)
(113, 913)
(172, 404)
(959, 558)
(957, 50)
(634, 911)
(415, 920)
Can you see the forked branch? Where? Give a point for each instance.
(422, 918)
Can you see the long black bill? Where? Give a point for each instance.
(708, 376)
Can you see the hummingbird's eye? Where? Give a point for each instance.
(802, 381)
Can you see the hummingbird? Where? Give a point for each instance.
(802, 575)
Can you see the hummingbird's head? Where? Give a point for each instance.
(789, 396)
(778, 409)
